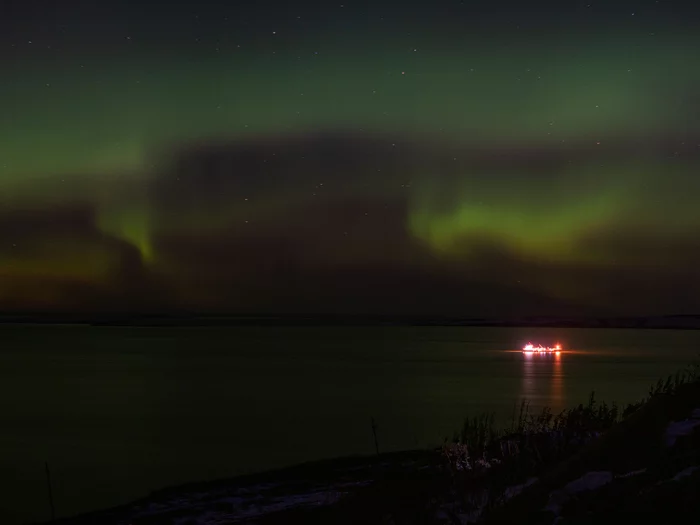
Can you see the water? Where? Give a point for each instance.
(118, 412)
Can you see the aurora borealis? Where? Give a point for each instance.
(445, 157)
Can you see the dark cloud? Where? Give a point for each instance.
(57, 259)
(318, 224)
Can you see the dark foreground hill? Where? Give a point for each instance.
(591, 464)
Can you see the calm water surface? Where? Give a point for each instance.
(118, 412)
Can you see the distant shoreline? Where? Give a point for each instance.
(672, 322)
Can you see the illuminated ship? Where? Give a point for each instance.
(539, 349)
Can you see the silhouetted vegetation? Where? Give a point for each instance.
(485, 462)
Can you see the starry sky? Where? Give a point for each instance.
(480, 158)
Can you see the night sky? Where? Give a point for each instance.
(488, 158)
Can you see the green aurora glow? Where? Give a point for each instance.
(606, 130)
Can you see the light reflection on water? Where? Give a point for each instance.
(543, 380)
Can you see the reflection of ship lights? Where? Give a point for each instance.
(543, 378)
(539, 349)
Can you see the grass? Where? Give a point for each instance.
(557, 448)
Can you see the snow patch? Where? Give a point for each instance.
(589, 481)
(288, 502)
(515, 490)
(685, 473)
(682, 474)
(223, 507)
(677, 429)
(632, 473)
(475, 507)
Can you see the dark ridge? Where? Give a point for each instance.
(678, 322)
